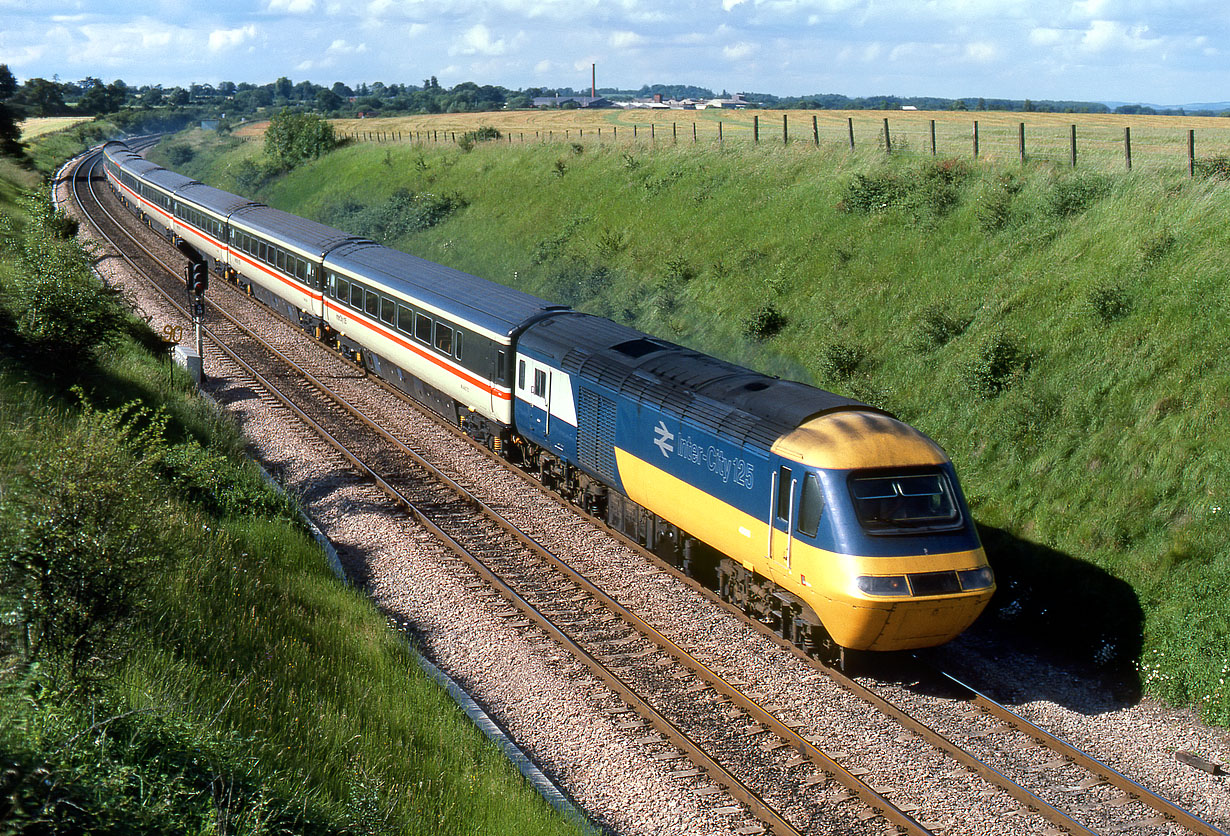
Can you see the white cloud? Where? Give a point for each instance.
(739, 51)
(294, 7)
(625, 40)
(341, 47)
(1044, 36)
(221, 39)
(477, 41)
(981, 52)
(727, 5)
(1104, 35)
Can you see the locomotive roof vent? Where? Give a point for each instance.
(638, 347)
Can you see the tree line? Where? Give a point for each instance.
(158, 107)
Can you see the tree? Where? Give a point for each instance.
(294, 138)
(327, 100)
(10, 134)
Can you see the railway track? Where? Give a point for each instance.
(684, 705)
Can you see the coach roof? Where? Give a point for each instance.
(309, 237)
(213, 200)
(485, 305)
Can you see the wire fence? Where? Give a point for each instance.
(1150, 143)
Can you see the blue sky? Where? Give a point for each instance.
(1154, 51)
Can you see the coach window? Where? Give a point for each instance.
(260, 250)
(521, 376)
(373, 304)
(811, 506)
(540, 383)
(343, 289)
(388, 310)
(457, 345)
(356, 296)
(444, 338)
(405, 319)
(281, 260)
(422, 328)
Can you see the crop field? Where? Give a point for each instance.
(33, 128)
(1155, 142)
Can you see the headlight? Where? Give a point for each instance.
(977, 578)
(890, 585)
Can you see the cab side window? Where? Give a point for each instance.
(811, 506)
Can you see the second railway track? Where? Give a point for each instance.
(796, 779)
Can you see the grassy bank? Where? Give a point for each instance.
(176, 655)
(1061, 333)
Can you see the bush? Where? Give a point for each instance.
(929, 190)
(1109, 303)
(84, 530)
(998, 363)
(1074, 195)
(937, 327)
(483, 134)
(841, 361)
(60, 306)
(405, 212)
(1213, 168)
(764, 323)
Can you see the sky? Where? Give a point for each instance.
(1137, 51)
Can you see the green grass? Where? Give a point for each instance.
(1061, 333)
(231, 683)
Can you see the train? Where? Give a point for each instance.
(831, 520)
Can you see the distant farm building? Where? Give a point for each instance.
(579, 101)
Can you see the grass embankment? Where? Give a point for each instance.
(1062, 334)
(175, 656)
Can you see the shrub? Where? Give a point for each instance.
(483, 134)
(937, 327)
(1109, 303)
(929, 190)
(404, 212)
(998, 363)
(765, 322)
(841, 361)
(84, 534)
(1213, 168)
(179, 153)
(65, 312)
(1073, 195)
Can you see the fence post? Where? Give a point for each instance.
(1191, 153)
(785, 131)
(756, 128)
(674, 131)
(615, 132)
(1073, 145)
(975, 139)
(888, 141)
(634, 131)
(719, 132)
(653, 131)
(1021, 140)
(1127, 148)
(933, 137)
(815, 130)
(693, 133)
(850, 127)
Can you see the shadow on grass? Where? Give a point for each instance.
(1059, 629)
